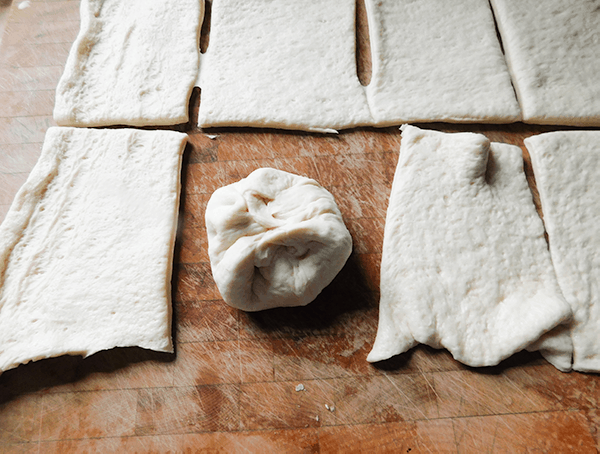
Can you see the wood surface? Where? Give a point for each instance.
(231, 384)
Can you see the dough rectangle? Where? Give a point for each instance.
(282, 64)
(553, 53)
(565, 164)
(86, 248)
(133, 62)
(435, 60)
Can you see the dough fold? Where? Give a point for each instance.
(465, 265)
(274, 239)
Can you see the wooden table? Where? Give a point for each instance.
(231, 385)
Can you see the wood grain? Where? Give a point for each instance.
(231, 384)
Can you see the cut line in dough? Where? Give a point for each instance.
(86, 248)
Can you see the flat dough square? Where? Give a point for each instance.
(86, 248)
(553, 53)
(437, 60)
(465, 265)
(566, 167)
(133, 62)
(282, 64)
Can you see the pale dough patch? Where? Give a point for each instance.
(465, 265)
(566, 172)
(282, 64)
(86, 248)
(274, 239)
(134, 62)
(553, 52)
(437, 60)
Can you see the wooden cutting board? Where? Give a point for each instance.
(232, 385)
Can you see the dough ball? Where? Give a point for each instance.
(274, 239)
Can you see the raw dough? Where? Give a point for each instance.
(274, 239)
(566, 168)
(465, 265)
(86, 247)
(282, 64)
(553, 53)
(437, 60)
(134, 62)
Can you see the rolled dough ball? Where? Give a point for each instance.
(274, 239)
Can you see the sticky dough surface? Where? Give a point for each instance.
(133, 62)
(437, 60)
(465, 265)
(86, 247)
(275, 239)
(282, 64)
(553, 52)
(566, 171)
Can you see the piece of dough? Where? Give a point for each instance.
(566, 168)
(553, 53)
(274, 239)
(282, 64)
(437, 60)
(86, 248)
(134, 62)
(465, 265)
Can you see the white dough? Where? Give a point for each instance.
(553, 53)
(566, 168)
(282, 64)
(437, 60)
(86, 248)
(274, 239)
(465, 265)
(134, 62)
